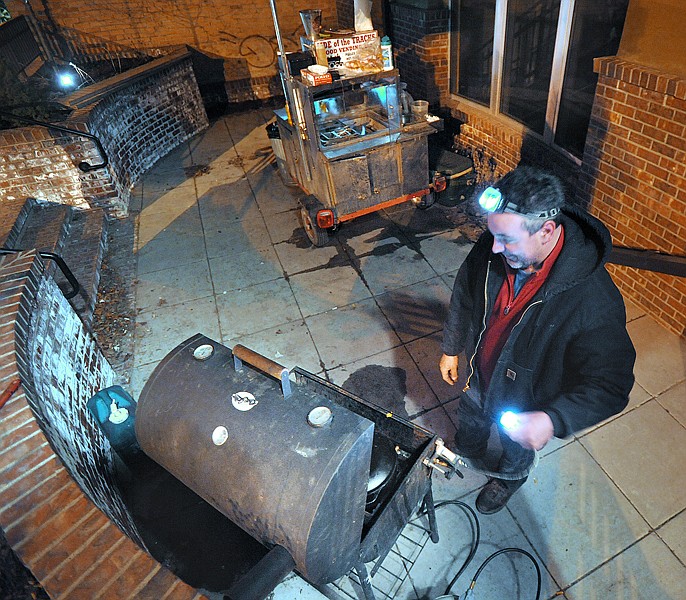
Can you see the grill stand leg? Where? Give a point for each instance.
(365, 580)
(431, 513)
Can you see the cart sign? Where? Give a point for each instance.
(359, 52)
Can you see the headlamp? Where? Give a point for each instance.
(492, 201)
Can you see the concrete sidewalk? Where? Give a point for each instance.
(220, 251)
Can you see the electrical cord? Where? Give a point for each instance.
(476, 539)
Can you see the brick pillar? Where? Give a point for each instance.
(634, 176)
(421, 45)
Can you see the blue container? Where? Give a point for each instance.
(119, 431)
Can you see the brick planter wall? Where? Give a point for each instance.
(138, 116)
(58, 509)
(634, 174)
(41, 163)
(142, 115)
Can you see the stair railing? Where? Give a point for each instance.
(66, 271)
(83, 165)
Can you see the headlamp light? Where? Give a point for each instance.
(492, 201)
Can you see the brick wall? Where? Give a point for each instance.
(421, 48)
(138, 117)
(42, 163)
(242, 34)
(498, 145)
(141, 115)
(57, 507)
(634, 175)
(494, 147)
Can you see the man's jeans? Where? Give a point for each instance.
(473, 431)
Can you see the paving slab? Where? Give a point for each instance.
(643, 465)
(574, 515)
(351, 333)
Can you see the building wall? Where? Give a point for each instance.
(654, 35)
(240, 33)
(58, 508)
(634, 176)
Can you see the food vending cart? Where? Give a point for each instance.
(350, 146)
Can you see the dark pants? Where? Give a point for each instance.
(471, 439)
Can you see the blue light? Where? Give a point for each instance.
(490, 199)
(509, 420)
(66, 80)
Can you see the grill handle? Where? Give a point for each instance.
(261, 580)
(242, 354)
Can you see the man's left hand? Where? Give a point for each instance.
(534, 430)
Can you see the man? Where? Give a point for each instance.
(541, 324)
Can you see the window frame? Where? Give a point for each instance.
(562, 40)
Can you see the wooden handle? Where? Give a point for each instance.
(264, 364)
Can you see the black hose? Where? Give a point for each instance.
(503, 551)
(476, 538)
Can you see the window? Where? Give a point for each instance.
(532, 60)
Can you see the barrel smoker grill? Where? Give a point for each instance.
(302, 466)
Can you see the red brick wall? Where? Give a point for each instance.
(61, 533)
(240, 33)
(421, 48)
(41, 163)
(634, 174)
(494, 147)
(152, 110)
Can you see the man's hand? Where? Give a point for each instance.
(534, 430)
(448, 367)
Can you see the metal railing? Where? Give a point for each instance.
(649, 260)
(83, 165)
(59, 261)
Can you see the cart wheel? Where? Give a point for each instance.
(426, 201)
(317, 235)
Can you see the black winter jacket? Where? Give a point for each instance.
(570, 354)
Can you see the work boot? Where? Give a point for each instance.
(495, 495)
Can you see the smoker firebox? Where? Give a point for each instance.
(287, 461)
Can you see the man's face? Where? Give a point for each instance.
(520, 249)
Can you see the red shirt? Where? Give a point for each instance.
(507, 311)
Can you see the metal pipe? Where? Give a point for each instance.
(279, 40)
(649, 260)
(292, 106)
(257, 583)
(66, 271)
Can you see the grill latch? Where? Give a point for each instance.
(444, 461)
